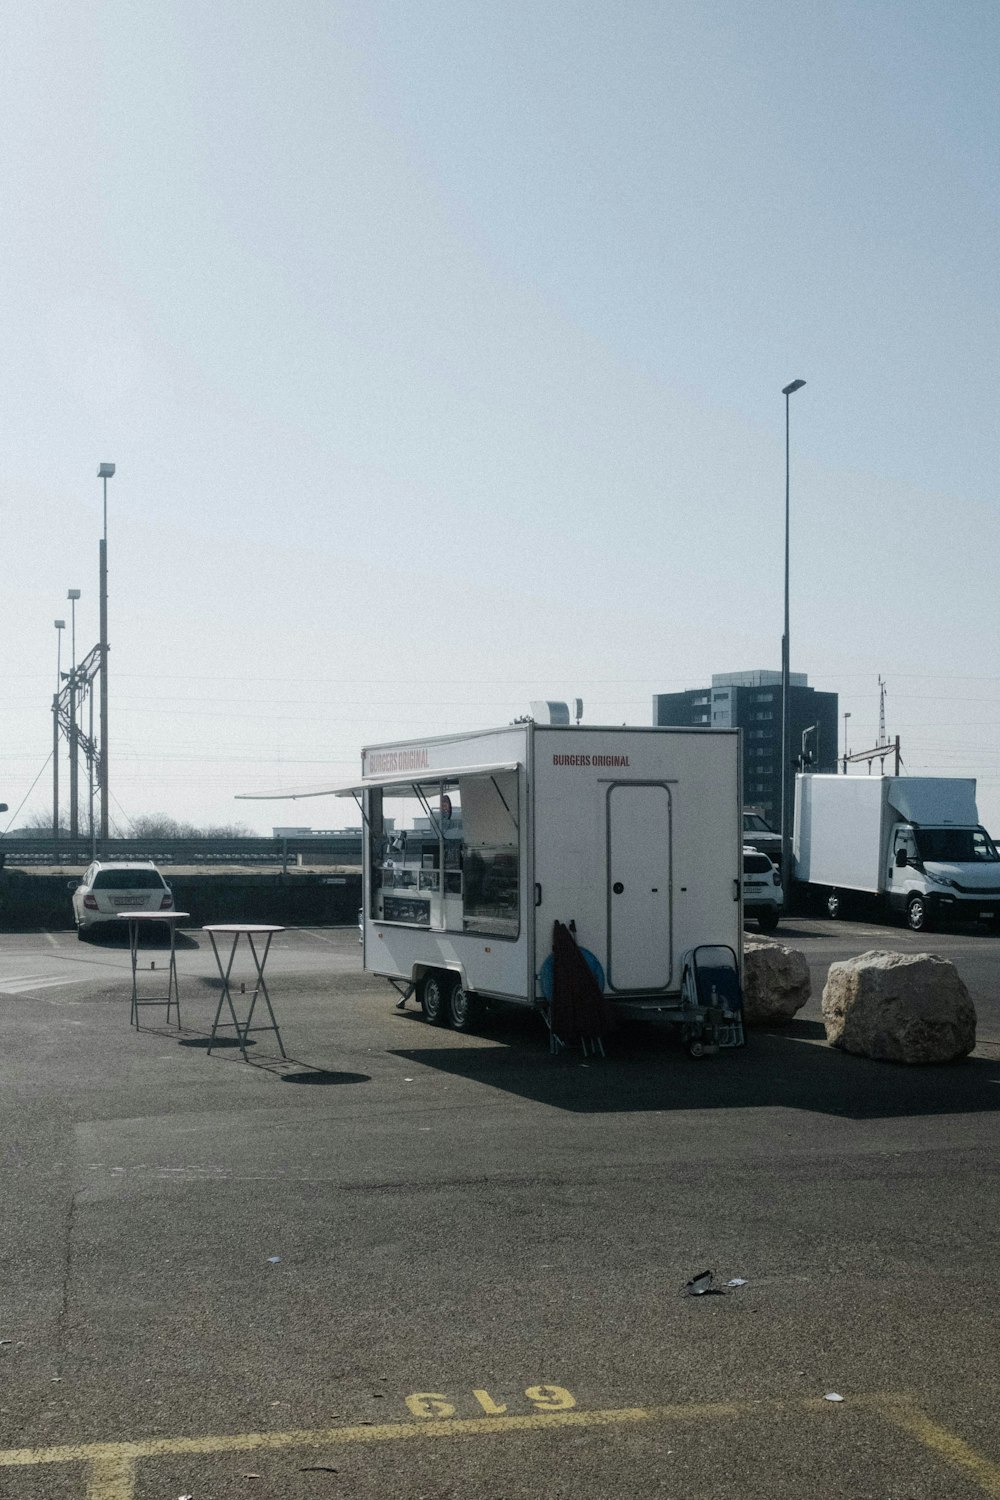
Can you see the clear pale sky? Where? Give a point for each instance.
(440, 348)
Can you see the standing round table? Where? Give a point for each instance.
(249, 930)
(137, 920)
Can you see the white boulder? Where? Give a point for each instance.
(899, 1007)
(775, 981)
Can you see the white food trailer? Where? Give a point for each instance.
(631, 836)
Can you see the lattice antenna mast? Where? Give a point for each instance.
(881, 711)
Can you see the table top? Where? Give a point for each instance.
(241, 927)
(151, 916)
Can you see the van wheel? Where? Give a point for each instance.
(434, 998)
(917, 915)
(464, 1010)
(834, 905)
(767, 921)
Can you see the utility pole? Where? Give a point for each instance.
(104, 472)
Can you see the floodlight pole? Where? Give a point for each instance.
(787, 784)
(104, 472)
(60, 627)
(74, 744)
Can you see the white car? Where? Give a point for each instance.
(763, 897)
(108, 891)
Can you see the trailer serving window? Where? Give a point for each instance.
(448, 857)
(491, 854)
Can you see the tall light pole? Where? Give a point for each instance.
(786, 723)
(846, 717)
(73, 596)
(60, 627)
(104, 472)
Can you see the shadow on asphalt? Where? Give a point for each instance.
(149, 937)
(206, 1041)
(775, 1070)
(321, 1076)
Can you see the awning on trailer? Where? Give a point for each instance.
(393, 782)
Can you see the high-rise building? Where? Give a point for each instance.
(751, 701)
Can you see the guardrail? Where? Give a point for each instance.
(43, 849)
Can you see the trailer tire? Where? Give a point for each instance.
(834, 904)
(434, 997)
(464, 1009)
(918, 917)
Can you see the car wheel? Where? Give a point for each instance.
(464, 1010)
(434, 998)
(834, 905)
(81, 933)
(767, 921)
(917, 914)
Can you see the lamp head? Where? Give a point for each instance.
(105, 471)
(73, 594)
(796, 385)
(60, 624)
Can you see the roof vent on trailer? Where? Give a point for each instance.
(544, 711)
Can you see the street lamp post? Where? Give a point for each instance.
(846, 717)
(786, 723)
(60, 627)
(104, 473)
(74, 747)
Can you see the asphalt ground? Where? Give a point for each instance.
(407, 1262)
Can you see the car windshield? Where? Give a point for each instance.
(128, 880)
(963, 845)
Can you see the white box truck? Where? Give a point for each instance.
(630, 836)
(912, 843)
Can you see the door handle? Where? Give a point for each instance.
(538, 893)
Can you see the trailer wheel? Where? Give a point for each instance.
(917, 914)
(434, 998)
(696, 1049)
(464, 1010)
(834, 905)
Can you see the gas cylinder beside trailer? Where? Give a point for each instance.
(630, 836)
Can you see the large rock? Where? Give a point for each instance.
(775, 981)
(899, 1007)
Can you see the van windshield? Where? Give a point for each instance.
(961, 845)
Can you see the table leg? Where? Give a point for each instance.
(262, 987)
(173, 988)
(133, 942)
(226, 997)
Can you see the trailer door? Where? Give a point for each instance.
(639, 907)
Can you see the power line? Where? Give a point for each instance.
(28, 793)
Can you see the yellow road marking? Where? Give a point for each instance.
(111, 1467)
(112, 1476)
(945, 1444)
